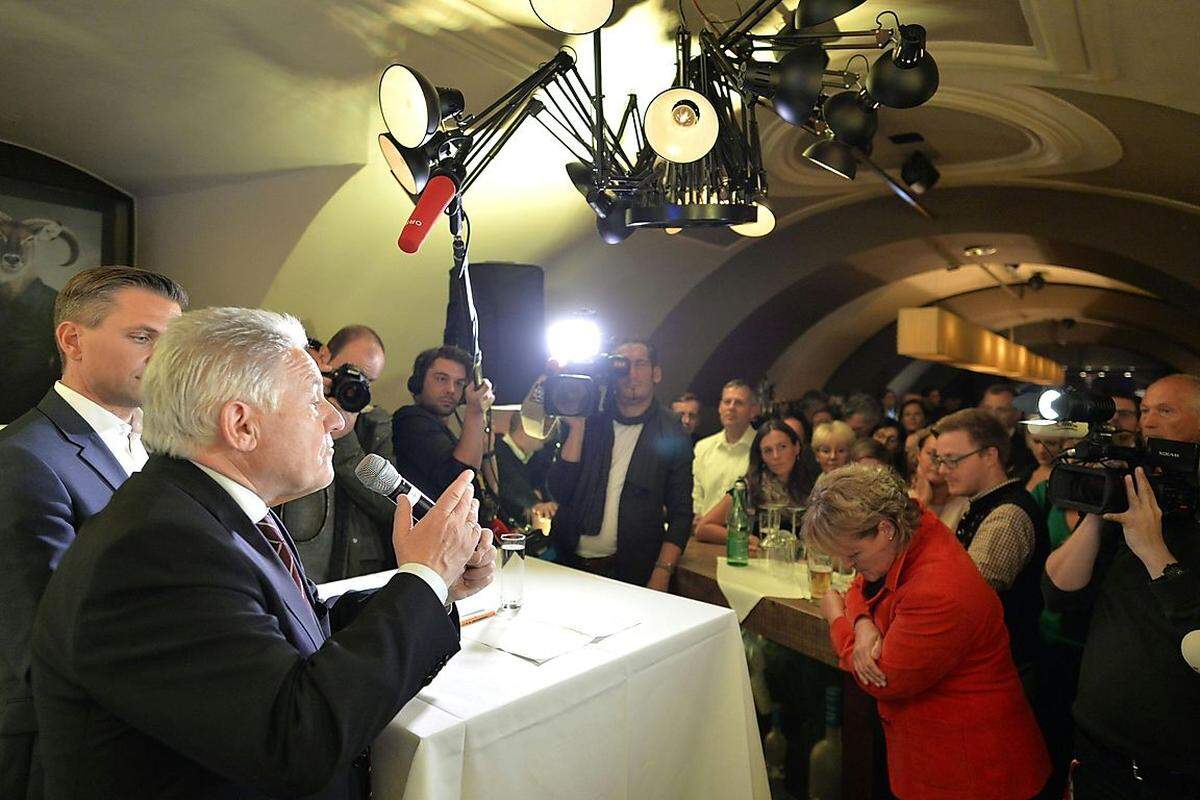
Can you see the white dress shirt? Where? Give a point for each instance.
(716, 466)
(122, 439)
(604, 543)
(256, 508)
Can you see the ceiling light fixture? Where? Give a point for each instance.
(695, 159)
(919, 173)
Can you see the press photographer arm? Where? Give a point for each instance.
(472, 445)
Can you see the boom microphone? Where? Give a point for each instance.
(433, 201)
(377, 474)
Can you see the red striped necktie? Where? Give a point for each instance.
(271, 530)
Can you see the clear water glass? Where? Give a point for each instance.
(512, 571)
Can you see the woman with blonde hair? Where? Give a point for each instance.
(831, 442)
(923, 633)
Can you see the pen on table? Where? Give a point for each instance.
(476, 618)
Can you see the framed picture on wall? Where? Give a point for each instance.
(55, 220)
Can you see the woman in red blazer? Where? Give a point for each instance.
(925, 636)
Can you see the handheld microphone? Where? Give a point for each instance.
(438, 193)
(377, 474)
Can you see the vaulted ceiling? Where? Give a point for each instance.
(1065, 134)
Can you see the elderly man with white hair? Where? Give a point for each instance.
(179, 650)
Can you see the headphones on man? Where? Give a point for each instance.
(421, 365)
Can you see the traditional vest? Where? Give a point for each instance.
(1023, 600)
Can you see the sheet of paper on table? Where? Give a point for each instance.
(535, 640)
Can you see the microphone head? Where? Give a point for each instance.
(377, 474)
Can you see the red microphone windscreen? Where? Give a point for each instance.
(433, 201)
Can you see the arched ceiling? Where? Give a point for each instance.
(1065, 134)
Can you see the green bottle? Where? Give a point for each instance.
(738, 544)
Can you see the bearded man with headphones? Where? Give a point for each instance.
(427, 452)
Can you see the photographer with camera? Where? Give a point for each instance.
(617, 472)
(427, 451)
(345, 529)
(1138, 571)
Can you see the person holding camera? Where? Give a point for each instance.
(624, 481)
(427, 452)
(1137, 711)
(344, 530)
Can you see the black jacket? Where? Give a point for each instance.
(1136, 694)
(656, 510)
(424, 449)
(175, 658)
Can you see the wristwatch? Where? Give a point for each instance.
(1172, 570)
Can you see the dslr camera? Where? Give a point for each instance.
(350, 386)
(580, 390)
(1090, 477)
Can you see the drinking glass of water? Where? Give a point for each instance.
(512, 571)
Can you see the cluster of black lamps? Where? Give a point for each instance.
(694, 158)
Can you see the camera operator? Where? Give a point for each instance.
(427, 451)
(1138, 704)
(345, 529)
(617, 472)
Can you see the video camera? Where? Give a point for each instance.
(1090, 477)
(349, 386)
(581, 391)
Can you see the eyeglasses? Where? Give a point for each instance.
(951, 462)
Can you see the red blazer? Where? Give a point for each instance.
(956, 721)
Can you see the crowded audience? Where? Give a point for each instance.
(1001, 632)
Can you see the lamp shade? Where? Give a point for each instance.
(413, 107)
(814, 12)
(681, 125)
(798, 77)
(761, 226)
(906, 75)
(612, 227)
(410, 166)
(573, 16)
(851, 117)
(833, 156)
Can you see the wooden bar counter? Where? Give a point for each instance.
(798, 625)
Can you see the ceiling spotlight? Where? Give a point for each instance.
(412, 107)
(1036, 282)
(672, 231)
(575, 17)
(906, 75)
(681, 125)
(814, 12)
(852, 118)
(833, 156)
(764, 224)
(919, 173)
(979, 250)
(793, 84)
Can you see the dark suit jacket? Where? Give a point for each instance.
(656, 500)
(55, 473)
(175, 658)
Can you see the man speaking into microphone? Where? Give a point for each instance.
(179, 650)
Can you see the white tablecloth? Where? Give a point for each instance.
(661, 710)
(744, 586)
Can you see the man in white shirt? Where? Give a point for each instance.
(724, 457)
(61, 461)
(622, 481)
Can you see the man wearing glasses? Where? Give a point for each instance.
(344, 530)
(1003, 529)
